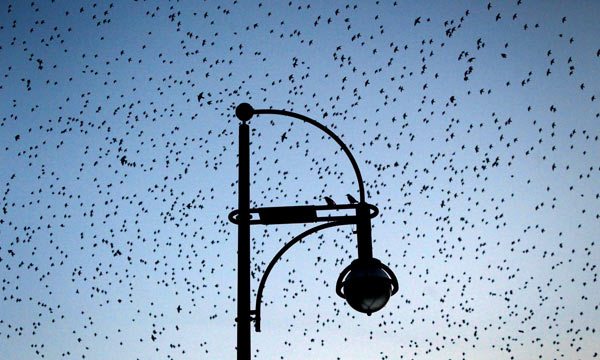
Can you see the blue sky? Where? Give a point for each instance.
(476, 130)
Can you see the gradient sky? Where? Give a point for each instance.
(476, 130)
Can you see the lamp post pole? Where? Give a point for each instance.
(243, 270)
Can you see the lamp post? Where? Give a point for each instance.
(366, 283)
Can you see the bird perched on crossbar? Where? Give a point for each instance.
(351, 199)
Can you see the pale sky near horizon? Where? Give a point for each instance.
(476, 127)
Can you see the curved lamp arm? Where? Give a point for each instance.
(245, 111)
(278, 256)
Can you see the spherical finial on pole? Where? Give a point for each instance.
(244, 112)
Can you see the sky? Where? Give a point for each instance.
(475, 126)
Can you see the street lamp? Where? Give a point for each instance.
(366, 284)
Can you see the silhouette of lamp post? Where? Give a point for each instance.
(366, 284)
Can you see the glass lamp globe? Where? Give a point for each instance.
(367, 285)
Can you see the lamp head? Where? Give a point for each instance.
(367, 285)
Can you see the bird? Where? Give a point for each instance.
(351, 199)
(329, 201)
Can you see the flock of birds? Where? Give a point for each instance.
(476, 127)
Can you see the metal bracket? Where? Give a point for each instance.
(301, 214)
(255, 316)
